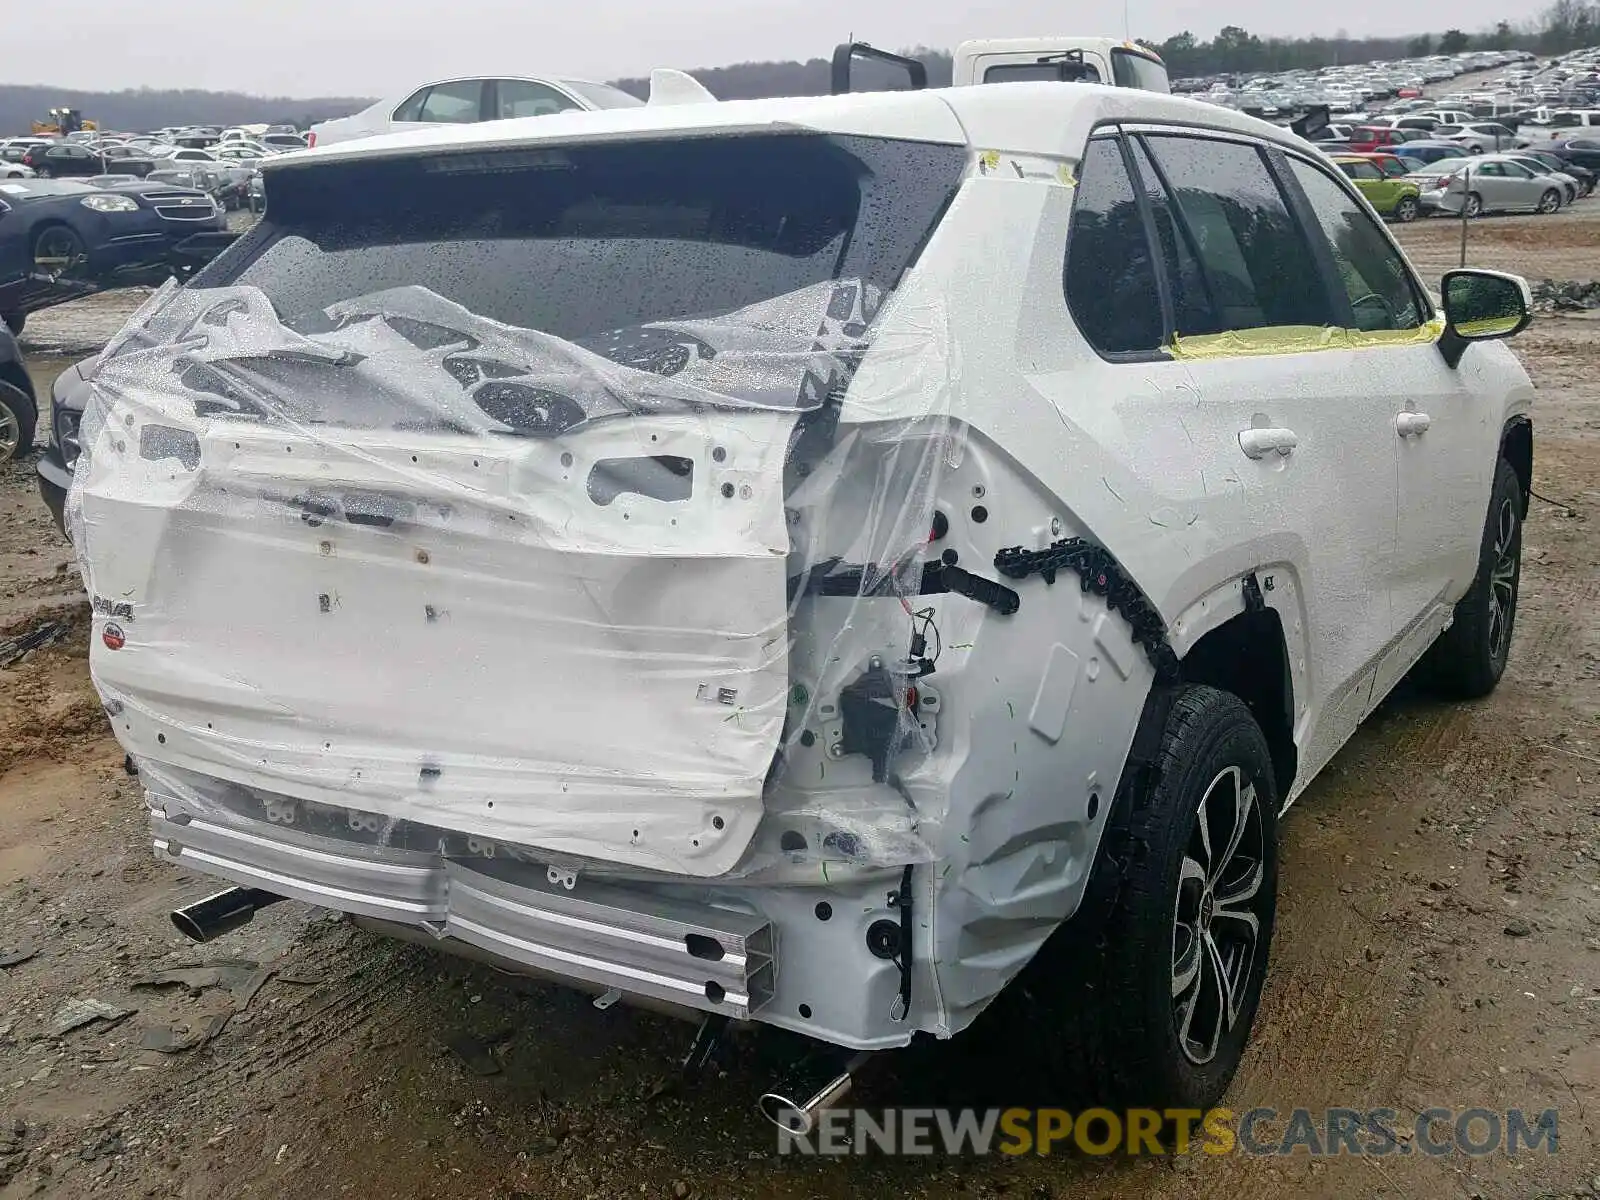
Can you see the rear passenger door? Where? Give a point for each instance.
(1298, 435)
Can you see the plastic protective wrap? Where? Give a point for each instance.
(396, 572)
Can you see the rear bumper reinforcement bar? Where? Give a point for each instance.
(635, 941)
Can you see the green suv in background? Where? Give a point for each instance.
(1395, 198)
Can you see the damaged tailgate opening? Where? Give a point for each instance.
(459, 507)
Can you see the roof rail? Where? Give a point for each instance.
(847, 52)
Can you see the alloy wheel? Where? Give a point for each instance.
(1503, 578)
(55, 251)
(1218, 917)
(10, 432)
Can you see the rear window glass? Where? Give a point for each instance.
(1136, 71)
(1055, 70)
(601, 95)
(582, 240)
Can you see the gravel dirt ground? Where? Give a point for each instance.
(1438, 940)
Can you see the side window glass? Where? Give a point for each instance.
(1110, 279)
(1375, 277)
(458, 103)
(1194, 310)
(520, 98)
(1257, 263)
(411, 108)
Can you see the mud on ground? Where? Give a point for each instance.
(1438, 941)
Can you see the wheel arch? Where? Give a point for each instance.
(1516, 447)
(1248, 656)
(46, 224)
(11, 372)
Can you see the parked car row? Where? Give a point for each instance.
(1402, 188)
(1526, 92)
(219, 162)
(1351, 86)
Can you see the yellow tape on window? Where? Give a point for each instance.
(1298, 339)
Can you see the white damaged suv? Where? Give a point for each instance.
(803, 561)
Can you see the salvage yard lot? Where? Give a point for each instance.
(1438, 940)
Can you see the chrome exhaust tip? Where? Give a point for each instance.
(800, 1117)
(222, 913)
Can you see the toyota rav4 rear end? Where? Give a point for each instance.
(576, 544)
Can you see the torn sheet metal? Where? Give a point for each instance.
(400, 563)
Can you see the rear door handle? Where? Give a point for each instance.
(1412, 424)
(1258, 443)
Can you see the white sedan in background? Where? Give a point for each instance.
(468, 101)
(1490, 183)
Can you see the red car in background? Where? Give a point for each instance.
(1366, 138)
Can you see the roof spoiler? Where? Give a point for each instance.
(669, 86)
(846, 53)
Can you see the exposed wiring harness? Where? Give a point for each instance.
(1102, 574)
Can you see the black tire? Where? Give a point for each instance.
(61, 249)
(1550, 202)
(1406, 211)
(1109, 1026)
(16, 322)
(1474, 205)
(19, 418)
(1468, 659)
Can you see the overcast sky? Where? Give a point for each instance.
(379, 47)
